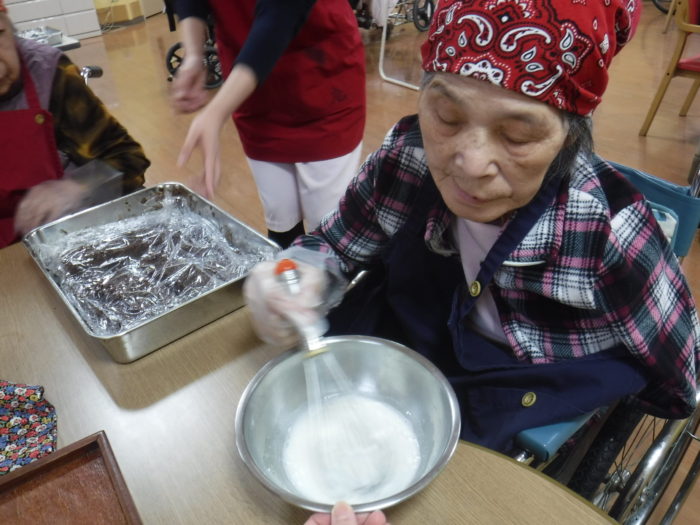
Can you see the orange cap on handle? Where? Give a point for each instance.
(284, 265)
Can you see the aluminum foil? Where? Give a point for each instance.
(125, 273)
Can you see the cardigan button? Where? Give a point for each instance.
(475, 289)
(39, 118)
(529, 399)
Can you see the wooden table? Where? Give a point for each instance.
(170, 420)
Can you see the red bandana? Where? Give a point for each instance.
(557, 51)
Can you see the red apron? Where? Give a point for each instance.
(312, 105)
(29, 155)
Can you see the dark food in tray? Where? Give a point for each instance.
(124, 273)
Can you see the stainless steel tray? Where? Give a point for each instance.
(44, 34)
(135, 342)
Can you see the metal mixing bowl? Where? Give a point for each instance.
(378, 369)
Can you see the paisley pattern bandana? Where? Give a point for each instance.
(557, 51)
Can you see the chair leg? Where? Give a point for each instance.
(693, 173)
(669, 16)
(689, 99)
(665, 81)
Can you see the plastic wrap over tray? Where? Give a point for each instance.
(143, 270)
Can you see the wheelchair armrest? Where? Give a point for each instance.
(544, 441)
(668, 221)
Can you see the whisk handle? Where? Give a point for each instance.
(287, 273)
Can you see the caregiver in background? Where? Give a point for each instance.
(295, 84)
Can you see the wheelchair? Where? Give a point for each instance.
(175, 55)
(621, 459)
(87, 72)
(419, 12)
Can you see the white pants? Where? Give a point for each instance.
(304, 191)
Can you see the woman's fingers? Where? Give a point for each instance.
(212, 164)
(375, 518)
(187, 148)
(204, 134)
(343, 514)
(319, 519)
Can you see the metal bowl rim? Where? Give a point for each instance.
(383, 503)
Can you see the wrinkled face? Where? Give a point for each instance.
(488, 148)
(9, 59)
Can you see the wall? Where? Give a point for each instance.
(118, 11)
(75, 18)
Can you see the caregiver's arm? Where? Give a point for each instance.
(281, 18)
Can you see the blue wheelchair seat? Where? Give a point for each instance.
(676, 198)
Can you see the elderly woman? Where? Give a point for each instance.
(50, 124)
(527, 269)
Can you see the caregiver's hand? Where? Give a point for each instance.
(188, 93)
(48, 201)
(204, 134)
(206, 127)
(343, 514)
(271, 304)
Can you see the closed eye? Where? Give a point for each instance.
(518, 140)
(447, 118)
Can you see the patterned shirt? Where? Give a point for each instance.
(594, 272)
(86, 130)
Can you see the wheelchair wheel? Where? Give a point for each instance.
(173, 58)
(215, 76)
(662, 5)
(604, 450)
(630, 463)
(175, 55)
(423, 14)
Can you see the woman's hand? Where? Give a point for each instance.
(274, 311)
(47, 202)
(343, 514)
(204, 134)
(206, 127)
(188, 91)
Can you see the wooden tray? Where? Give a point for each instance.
(79, 483)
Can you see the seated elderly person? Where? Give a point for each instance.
(51, 124)
(526, 268)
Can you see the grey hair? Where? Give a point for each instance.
(579, 139)
(426, 78)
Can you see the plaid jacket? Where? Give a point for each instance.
(594, 272)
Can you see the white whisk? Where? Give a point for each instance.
(354, 450)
